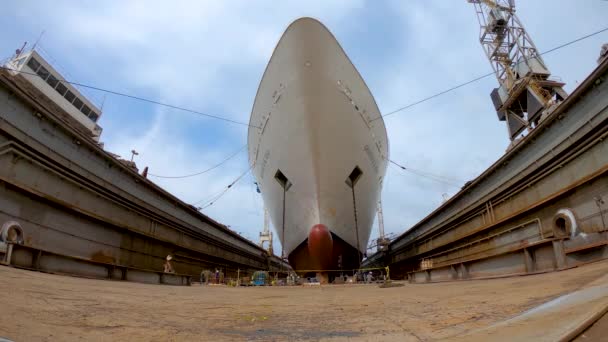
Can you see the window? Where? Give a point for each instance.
(43, 73)
(33, 64)
(354, 176)
(93, 116)
(52, 81)
(69, 96)
(61, 89)
(77, 103)
(85, 110)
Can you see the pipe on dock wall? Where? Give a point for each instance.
(565, 223)
(11, 231)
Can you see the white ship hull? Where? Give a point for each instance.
(316, 125)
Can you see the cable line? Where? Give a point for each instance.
(437, 178)
(428, 173)
(138, 98)
(211, 200)
(204, 171)
(134, 97)
(483, 76)
(434, 96)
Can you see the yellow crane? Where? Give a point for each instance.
(525, 91)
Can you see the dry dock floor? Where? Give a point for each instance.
(37, 306)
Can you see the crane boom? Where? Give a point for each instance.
(525, 91)
(382, 242)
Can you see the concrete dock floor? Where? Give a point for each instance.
(38, 306)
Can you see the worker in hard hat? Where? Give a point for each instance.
(168, 266)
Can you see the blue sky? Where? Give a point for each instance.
(210, 56)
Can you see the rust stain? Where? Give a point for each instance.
(332, 211)
(99, 256)
(529, 208)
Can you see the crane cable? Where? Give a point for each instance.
(204, 171)
(482, 77)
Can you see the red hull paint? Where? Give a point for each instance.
(320, 246)
(340, 256)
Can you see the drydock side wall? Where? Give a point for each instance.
(72, 199)
(543, 206)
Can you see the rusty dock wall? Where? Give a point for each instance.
(542, 206)
(79, 210)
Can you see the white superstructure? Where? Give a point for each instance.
(36, 70)
(318, 131)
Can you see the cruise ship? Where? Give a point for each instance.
(318, 148)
